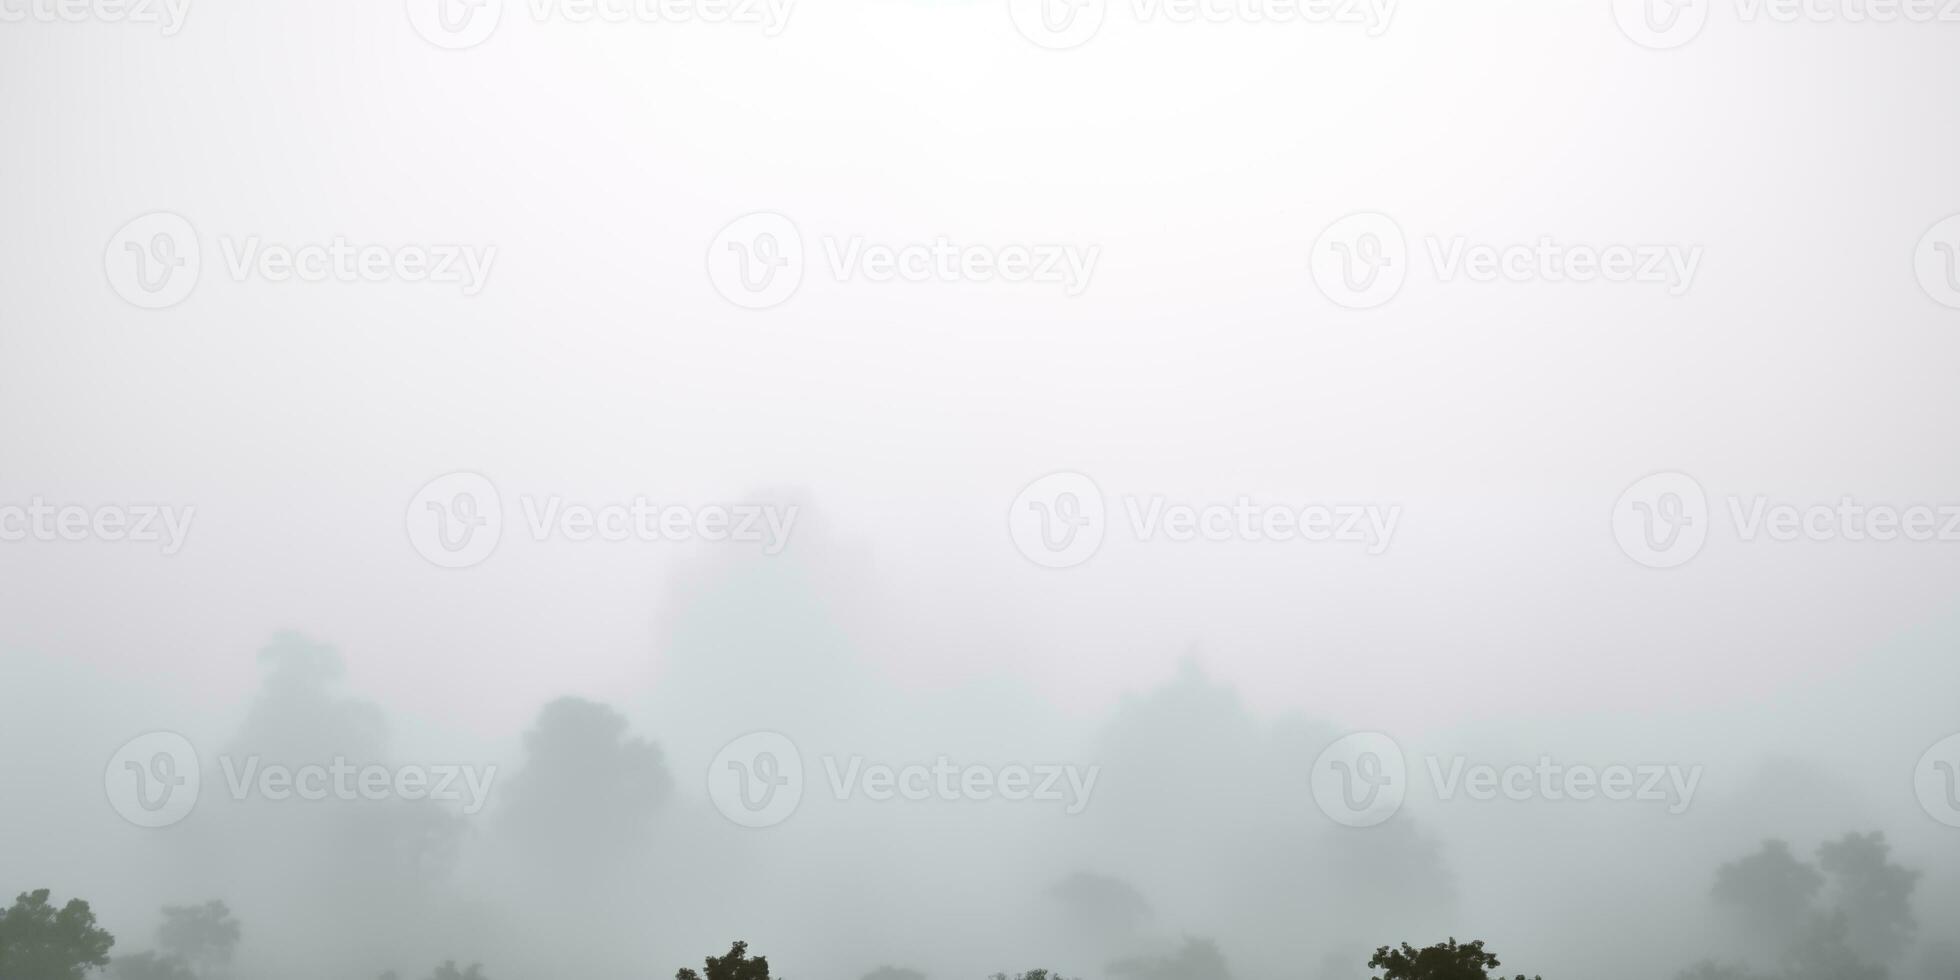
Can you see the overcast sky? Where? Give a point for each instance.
(593, 166)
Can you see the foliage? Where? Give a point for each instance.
(1197, 959)
(894, 973)
(735, 965)
(1770, 893)
(151, 966)
(1846, 921)
(1443, 961)
(1100, 904)
(1872, 895)
(39, 942)
(1030, 975)
(204, 936)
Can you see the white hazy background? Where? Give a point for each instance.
(1202, 363)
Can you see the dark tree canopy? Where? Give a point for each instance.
(1443, 961)
(39, 942)
(735, 965)
(1030, 975)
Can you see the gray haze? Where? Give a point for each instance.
(1182, 694)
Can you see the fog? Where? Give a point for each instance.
(929, 491)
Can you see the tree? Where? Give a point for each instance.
(1030, 975)
(1873, 895)
(588, 792)
(1443, 961)
(1824, 954)
(1772, 894)
(894, 973)
(736, 965)
(204, 936)
(37, 942)
(448, 971)
(1863, 922)
(1198, 959)
(1719, 971)
(1100, 905)
(150, 966)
